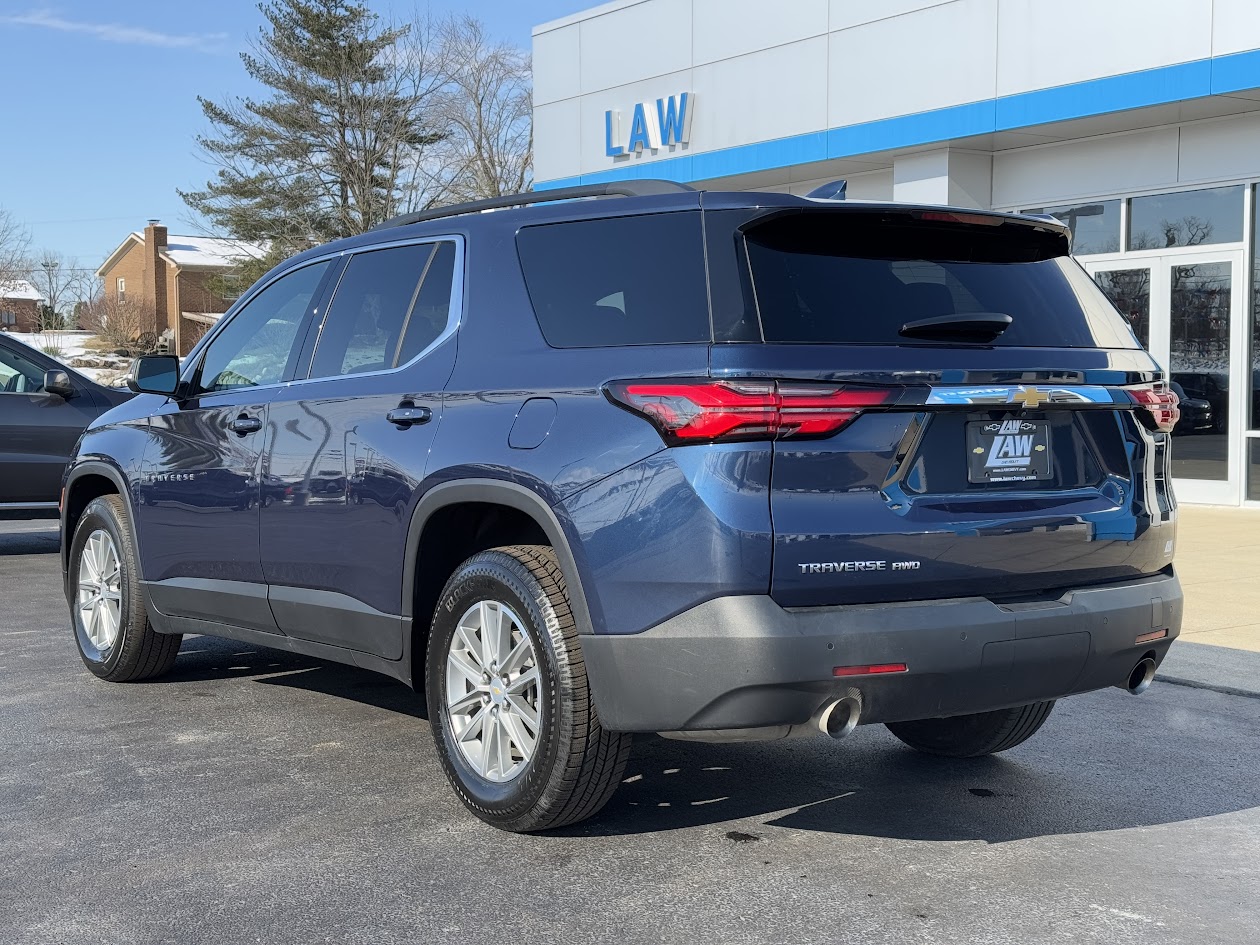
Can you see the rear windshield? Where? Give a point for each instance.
(618, 280)
(857, 278)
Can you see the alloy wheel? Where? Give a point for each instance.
(492, 691)
(99, 597)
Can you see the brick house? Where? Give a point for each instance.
(19, 306)
(171, 276)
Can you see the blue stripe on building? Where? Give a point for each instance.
(1219, 75)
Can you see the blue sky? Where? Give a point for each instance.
(100, 110)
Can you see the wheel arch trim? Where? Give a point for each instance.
(92, 467)
(512, 495)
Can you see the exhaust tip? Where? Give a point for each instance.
(840, 718)
(1141, 676)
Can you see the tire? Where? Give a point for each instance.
(970, 736)
(135, 651)
(574, 765)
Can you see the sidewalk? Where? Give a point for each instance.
(1218, 560)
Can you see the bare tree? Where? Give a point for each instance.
(63, 283)
(485, 111)
(14, 242)
(121, 324)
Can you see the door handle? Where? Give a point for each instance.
(245, 424)
(407, 414)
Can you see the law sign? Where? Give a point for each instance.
(653, 125)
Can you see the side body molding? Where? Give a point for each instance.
(513, 495)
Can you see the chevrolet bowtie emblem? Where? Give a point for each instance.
(1028, 396)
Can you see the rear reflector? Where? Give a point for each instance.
(706, 410)
(1148, 637)
(1161, 411)
(872, 669)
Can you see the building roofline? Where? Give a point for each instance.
(117, 254)
(611, 7)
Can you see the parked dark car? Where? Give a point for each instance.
(1213, 388)
(44, 406)
(1196, 413)
(715, 465)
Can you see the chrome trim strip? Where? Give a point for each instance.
(1026, 396)
(22, 506)
(454, 318)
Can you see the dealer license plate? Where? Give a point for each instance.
(1012, 450)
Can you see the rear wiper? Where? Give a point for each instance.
(962, 326)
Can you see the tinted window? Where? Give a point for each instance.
(18, 374)
(254, 348)
(432, 309)
(365, 321)
(1188, 218)
(619, 281)
(1095, 226)
(1129, 290)
(1254, 359)
(852, 278)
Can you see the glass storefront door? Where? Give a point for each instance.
(1187, 308)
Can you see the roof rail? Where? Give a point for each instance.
(646, 187)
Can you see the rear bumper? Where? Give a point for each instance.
(745, 662)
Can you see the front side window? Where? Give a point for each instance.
(255, 347)
(389, 306)
(122, 289)
(19, 375)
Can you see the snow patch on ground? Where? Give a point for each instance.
(71, 348)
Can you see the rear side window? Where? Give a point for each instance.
(853, 278)
(618, 281)
(388, 307)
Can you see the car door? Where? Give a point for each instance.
(199, 493)
(347, 446)
(38, 430)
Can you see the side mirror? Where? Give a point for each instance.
(58, 382)
(154, 374)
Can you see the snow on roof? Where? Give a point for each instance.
(19, 289)
(207, 250)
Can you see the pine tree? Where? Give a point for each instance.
(322, 156)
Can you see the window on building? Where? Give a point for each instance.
(390, 305)
(1095, 226)
(122, 289)
(1186, 218)
(622, 281)
(1254, 411)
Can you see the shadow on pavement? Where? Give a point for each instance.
(1090, 772)
(204, 658)
(28, 538)
(1104, 761)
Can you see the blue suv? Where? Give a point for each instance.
(713, 465)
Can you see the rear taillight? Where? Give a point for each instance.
(1157, 406)
(704, 411)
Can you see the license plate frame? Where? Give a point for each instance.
(1008, 449)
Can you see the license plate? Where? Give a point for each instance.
(1012, 450)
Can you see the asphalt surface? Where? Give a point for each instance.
(255, 796)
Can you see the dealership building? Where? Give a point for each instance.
(1137, 122)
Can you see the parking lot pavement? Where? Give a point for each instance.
(256, 796)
